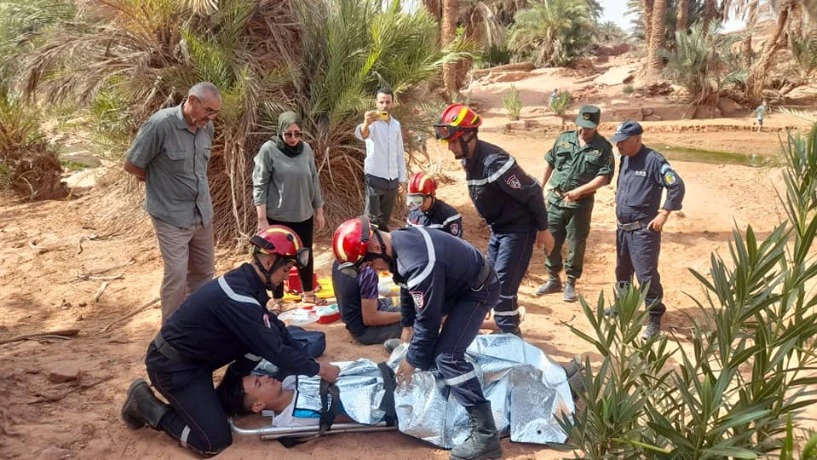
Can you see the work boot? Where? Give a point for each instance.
(570, 290)
(142, 407)
(483, 441)
(652, 328)
(553, 285)
(391, 344)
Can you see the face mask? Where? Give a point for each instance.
(415, 201)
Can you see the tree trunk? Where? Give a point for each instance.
(434, 7)
(796, 21)
(757, 74)
(751, 21)
(710, 11)
(648, 7)
(682, 21)
(654, 60)
(449, 31)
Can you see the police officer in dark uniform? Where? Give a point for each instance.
(225, 321)
(446, 276)
(509, 200)
(426, 210)
(644, 173)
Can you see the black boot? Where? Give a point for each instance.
(483, 442)
(553, 285)
(142, 407)
(570, 290)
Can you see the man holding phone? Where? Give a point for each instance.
(385, 163)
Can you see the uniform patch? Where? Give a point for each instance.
(418, 299)
(455, 229)
(266, 321)
(513, 182)
(669, 177)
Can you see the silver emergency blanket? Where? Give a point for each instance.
(526, 389)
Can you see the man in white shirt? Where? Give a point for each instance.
(385, 163)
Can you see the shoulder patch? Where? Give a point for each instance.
(513, 182)
(670, 178)
(419, 302)
(454, 229)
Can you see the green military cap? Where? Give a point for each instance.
(589, 116)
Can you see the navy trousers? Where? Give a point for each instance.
(196, 418)
(510, 253)
(637, 253)
(463, 323)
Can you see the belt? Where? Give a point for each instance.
(483, 275)
(167, 349)
(632, 226)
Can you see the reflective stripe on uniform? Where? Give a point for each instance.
(432, 258)
(184, 436)
(454, 381)
(232, 294)
(252, 357)
(507, 313)
(507, 166)
(451, 219)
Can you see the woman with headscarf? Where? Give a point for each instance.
(287, 191)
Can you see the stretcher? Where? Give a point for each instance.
(528, 392)
(270, 432)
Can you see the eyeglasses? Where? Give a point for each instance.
(208, 110)
(293, 134)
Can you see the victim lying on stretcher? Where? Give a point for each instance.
(528, 393)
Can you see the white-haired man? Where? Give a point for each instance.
(170, 154)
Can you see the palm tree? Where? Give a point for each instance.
(655, 61)
(682, 21)
(325, 58)
(449, 31)
(710, 13)
(757, 73)
(552, 32)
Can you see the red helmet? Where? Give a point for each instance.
(422, 184)
(351, 240)
(281, 241)
(455, 120)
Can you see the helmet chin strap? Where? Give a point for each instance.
(386, 258)
(464, 145)
(279, 261)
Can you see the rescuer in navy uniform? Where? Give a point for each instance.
(225, 321)
(445, 276)
(509, 200)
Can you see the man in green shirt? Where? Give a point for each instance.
(579, 163)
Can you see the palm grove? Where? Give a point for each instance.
(110, 63)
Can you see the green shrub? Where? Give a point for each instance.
(561, 103)
(27, 165)
(551, 32)
(495, 55)
(513, 103)
(740, 382)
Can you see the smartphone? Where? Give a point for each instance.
(384, 115)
